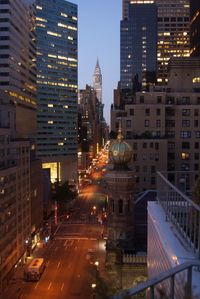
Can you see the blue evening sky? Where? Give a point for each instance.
(99, 35)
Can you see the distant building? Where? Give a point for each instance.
(163, 125)
(138, 46)
(195, 28)
(56, 28)
(173, 25)
(91, 126)
(97, 81)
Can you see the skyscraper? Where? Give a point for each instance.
(195, 28)
(97, 81)
(138, 45)
(173, 31)
(17, 62)
(18, 190)
(57, 87)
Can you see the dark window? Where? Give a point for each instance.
(141, 99)
(196, 112)
(196, 145)
(185, 145)
(196, 156)
(170, 123)
(144, 145)
(196, 123)
(171, 156)
(185, 112)
(157, 111)
(146, 123)
(147, 112)
(158, 123)
(171, 145)
(153, 180)
(131, 111)
(185, 123)
(171, 134)
(159, 99)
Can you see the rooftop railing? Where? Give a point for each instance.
(150, 288)
(180, 210)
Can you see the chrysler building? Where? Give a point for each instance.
(97, 81)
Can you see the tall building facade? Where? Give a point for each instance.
(138, 45)
(195, 28)
(56, 27)
(97, 81)
(15, 192)
(17, 62)
(18, 190)
(163, 125)
(173, 31)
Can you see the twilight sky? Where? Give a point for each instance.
(99, 35)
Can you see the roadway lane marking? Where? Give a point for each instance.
(49, 285)
(62, 287)
(72, 242)
(75, 238)
(36, 285)
(58, 264)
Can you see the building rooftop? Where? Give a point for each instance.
(177, 251)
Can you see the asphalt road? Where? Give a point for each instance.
(77, 244)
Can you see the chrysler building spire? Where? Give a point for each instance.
(97, 81)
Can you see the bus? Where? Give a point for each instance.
(35, 269)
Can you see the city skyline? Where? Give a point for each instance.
(93, 45)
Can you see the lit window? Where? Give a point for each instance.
(185, 156)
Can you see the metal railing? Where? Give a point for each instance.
(181, 211)
(150, 288)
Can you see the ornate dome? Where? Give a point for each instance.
(120, 152)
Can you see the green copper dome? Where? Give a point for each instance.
(120, 152)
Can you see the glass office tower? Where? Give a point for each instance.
(173, 26)
(56, 28)
(138, 46)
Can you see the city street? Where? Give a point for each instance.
(78, 243)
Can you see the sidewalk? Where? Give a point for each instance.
(15, 286)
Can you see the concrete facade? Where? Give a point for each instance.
(15, 194)
(163, 125)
